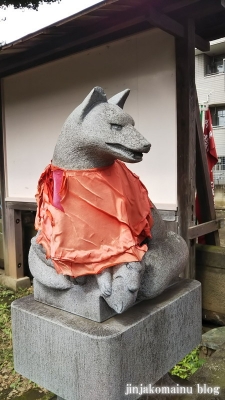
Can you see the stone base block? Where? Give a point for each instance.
(13, 283)
(79, 359)
(84, 300)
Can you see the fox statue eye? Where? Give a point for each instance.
(116, 127)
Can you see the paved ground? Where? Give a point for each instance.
(208, 383)
(209, 380)
(221, 214)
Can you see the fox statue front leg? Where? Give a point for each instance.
(164, 261)
(119, 285)
(161, 265)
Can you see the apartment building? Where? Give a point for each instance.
(210, 83)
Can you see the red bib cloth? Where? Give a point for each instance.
(92, 219)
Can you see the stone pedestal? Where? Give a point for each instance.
(83, 300)
(79, 359)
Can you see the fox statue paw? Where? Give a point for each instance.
(119, 285)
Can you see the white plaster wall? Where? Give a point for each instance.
(38, 101)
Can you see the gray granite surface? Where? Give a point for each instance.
(84, 300)
(79, 359)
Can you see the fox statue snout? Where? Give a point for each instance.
(96, 225)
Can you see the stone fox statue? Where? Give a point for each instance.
(94, 216)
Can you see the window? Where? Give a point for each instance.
(221, 164)
(215, 65)
(219, 171)
(218, 115)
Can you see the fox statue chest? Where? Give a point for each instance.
(92, 219)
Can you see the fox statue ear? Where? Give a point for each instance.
(120, 98)
(96, 96)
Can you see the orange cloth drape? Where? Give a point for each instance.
(92, 219)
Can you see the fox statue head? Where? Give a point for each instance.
(98, 132)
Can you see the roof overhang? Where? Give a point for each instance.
(112, 20)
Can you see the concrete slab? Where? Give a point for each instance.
(214, 338)
(14, 283)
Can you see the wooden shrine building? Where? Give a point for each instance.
(146, 45)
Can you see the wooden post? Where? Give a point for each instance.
(12, 225)
(2, 177)
(14, 244)
(186, 137)
(203, 183)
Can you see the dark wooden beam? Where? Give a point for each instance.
(174, 28)
(22, 206)
(178, 5)
(203, 184)
(201, 44)
(165, 23)
(205, 228)
(205, 8)
(186, 137)
(2, 169)
(218, 30)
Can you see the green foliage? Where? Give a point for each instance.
(10, 381)
(25, 3)
(6, 297)
(189, 365)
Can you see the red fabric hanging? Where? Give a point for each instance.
(212, 160)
